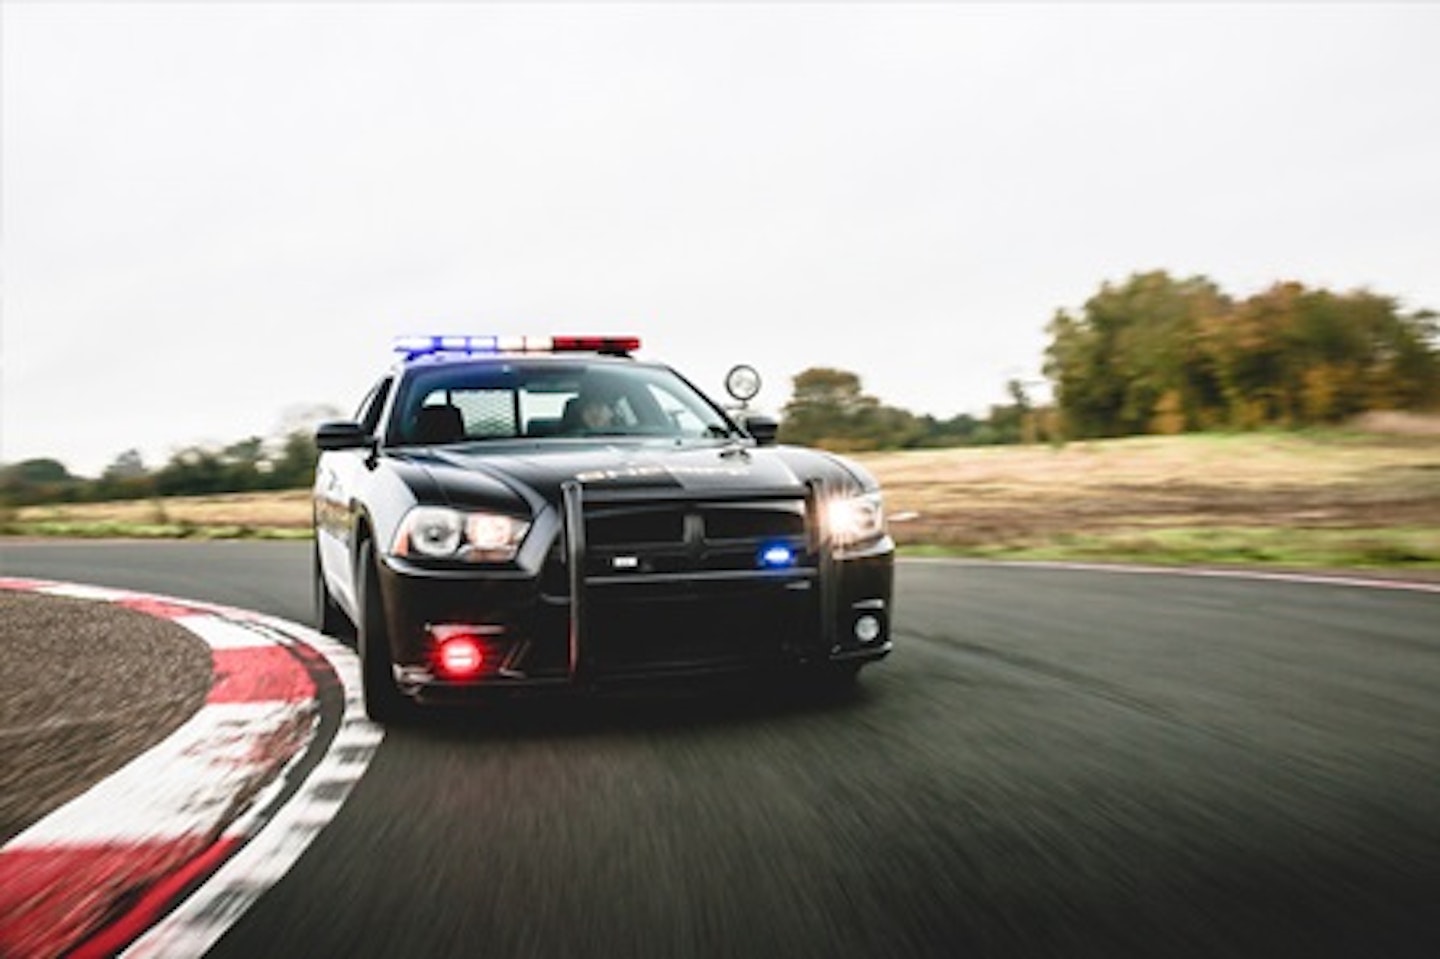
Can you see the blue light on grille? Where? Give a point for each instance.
(777, 556)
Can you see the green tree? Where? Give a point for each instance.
(1155, 354)
(294, 465)
(827, 407)
(293, 456)
(1132, 355)
(245, 465)
(1408, 374)
(125, 478)
(1249, 347)
(38, 480)
(193, 471)
(958, 430)
(127, 465)
(1293, 356)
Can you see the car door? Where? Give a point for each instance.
(338, 476)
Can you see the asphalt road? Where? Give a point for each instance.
(1051, 764)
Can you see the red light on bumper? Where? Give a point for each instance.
(460, 657)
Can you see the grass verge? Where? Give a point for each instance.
(1402, 548)
(80, 529)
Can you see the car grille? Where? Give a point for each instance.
(681, 584)
(676, 538)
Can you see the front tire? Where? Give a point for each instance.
(383, 700)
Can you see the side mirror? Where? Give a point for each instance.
(342, 435)
(762, 429)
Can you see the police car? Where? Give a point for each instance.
(519, 513)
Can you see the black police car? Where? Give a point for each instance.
(528, 512)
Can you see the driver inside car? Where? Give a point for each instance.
(590, 412)
(596, 414)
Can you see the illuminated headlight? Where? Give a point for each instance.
(856, 519)
(437, 532)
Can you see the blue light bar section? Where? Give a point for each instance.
(415, 347)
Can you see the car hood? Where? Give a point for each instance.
(633, 466)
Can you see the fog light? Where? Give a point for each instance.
(867, 629)
(460, 657)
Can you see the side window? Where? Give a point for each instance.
(368, 415)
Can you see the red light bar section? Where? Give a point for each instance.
(595, 344)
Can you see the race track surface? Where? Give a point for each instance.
(1052, 763)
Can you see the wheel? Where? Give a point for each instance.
(383, 700)
(329, 618)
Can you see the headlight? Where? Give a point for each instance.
(437, 532)
(856, 519)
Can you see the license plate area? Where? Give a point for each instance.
(637, 628)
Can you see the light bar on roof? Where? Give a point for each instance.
(415, 347)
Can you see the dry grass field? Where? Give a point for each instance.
(1333, 498)
(1365, 496)
(229, 514)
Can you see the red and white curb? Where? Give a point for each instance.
(161, 857)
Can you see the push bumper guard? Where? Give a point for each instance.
(824, 576)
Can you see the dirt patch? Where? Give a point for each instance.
(84, 688)
(1399, 424)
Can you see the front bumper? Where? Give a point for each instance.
(600, 612)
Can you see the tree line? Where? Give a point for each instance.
(829, 408)
(1156, 354)
(250, 465)
(1153, 354)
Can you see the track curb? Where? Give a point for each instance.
(159, 858)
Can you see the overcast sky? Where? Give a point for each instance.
(215, 213)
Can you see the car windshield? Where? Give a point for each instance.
(461, 402)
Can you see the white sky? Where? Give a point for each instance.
(213, 213)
